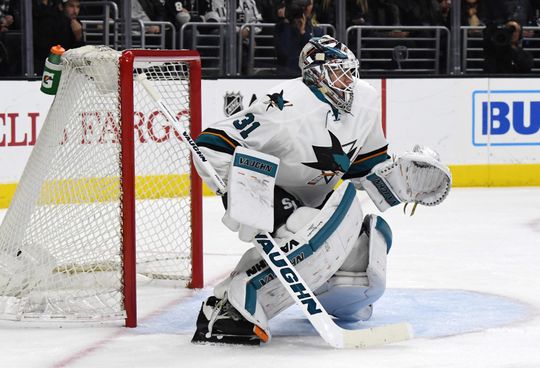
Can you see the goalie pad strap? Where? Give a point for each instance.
(380, 191)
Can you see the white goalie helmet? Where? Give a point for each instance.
(331, 67)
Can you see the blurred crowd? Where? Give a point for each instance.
(58, 22)
(10, 23)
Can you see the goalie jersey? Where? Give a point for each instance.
(317, 145)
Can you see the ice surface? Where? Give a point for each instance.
(465, 275)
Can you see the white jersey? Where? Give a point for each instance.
(316, 145)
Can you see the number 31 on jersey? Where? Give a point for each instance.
(246, 125)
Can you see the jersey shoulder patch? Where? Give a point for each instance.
(276, 101)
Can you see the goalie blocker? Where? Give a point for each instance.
(337, 254)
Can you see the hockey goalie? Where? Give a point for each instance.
(323, 127)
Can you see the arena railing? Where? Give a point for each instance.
(472, 49)
(95, 32)
(531, 43)
(256, 54)
(164, 39)
(400, 49)
(99, 26)
(209, 39)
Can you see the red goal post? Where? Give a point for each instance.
(127, 61)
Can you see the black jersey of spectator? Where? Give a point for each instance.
(51, 27)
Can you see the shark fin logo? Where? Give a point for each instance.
(276, 100)
(332, 160)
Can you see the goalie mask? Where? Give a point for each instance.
(332, 68)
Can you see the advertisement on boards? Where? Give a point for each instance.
(506, 118)
(470, 122)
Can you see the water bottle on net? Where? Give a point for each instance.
(52, 71)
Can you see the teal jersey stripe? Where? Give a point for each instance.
(214, 142)
(363, 168)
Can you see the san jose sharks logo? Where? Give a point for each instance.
(277, 101)
(331, 160)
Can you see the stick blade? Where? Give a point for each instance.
(375, 336)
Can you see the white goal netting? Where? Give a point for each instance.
(61, 239)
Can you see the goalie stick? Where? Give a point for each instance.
(285, 271)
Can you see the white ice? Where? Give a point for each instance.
(465, 274)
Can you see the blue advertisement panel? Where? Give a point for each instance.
(506, 118)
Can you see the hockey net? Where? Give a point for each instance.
(108, 175)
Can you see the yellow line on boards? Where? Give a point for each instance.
(92, 190)
(495, 175)
(86, 190)
(6, 193)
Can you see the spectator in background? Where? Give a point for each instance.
(443, 13)
(470, 13)
(269, 10)
(179, 12)
(10, 42)
(147, 11)
(324, 11)
(535, 11)
(55, 23)
(246, 12)
(70, 12)
(416, 12)
(356, 12)
(9, 15)
(386, 13)
(443, 17)
(533, 20)
(292, 34)
(502, 49)
(503, 52)
(500, 11)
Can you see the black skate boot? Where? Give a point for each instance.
(219, 322)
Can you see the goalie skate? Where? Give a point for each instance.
(218, 322)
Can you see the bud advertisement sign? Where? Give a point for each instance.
(506, 118)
